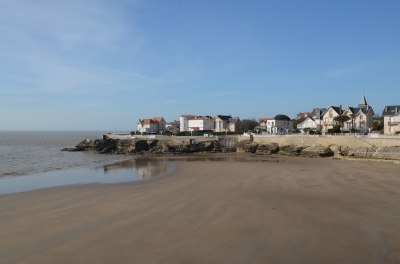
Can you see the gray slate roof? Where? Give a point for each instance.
(224, 117)
(317, 112)
(391, 110)
(233, 120)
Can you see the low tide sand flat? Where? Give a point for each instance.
(297, 210)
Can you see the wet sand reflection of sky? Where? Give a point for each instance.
(135, 169)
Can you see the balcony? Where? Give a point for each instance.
(393, 123)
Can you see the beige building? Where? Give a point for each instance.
(221, 123)
(328, 117)
(391, 119)
(361, 117)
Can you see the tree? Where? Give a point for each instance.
(341, 119)
(282, 117)
(297, 121)
(247, 124)
(353, 117)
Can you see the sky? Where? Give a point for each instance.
(102, 65)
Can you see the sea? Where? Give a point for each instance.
(31, 160)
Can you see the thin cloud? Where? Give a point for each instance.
(346, 71)
(168, 102)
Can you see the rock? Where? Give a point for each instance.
(392, 153)
(247, 146)
(128, 146)
(97, 144)
(317, 150)
(292, 149)
(267, 148)
(152, 143)
(72, 149)
(356, 152)
(107, 150)
(165, 147)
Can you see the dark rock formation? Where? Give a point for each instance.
(72, 149)
(97, 145)
(267, 148)
(317, 151)
(145, 147)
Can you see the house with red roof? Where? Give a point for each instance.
(151, 125)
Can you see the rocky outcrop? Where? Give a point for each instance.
(138, 146)
(356, 152)
(98, 145)
(392, 153)
(317, 150)
(247, 146)
(292, 149)
(156, 147)
(267, 149)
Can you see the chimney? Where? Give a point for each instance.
(386, 109)
(340, 109)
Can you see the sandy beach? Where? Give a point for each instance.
(282, 210)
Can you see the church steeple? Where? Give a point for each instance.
(363, 102)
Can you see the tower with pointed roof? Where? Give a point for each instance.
(363, 102)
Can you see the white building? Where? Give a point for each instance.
(201, 123)
(309, 124)
(279, 126)
(161, 123)
(172, 125)
(184, 122)
(147, 126)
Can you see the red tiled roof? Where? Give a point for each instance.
(264, 119)
(157, 118)
(175, 122)
(147, 121)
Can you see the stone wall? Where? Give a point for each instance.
(332, 142)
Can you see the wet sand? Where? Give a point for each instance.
(297, 210)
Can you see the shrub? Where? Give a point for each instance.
(397, 132)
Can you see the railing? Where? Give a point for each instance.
(303, 127)
(393, 123)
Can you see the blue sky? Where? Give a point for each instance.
(100, 65)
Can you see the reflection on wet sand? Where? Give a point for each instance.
(149, 167)
(146, 167)
(222, 158)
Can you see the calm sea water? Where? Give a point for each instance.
(24, 152)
